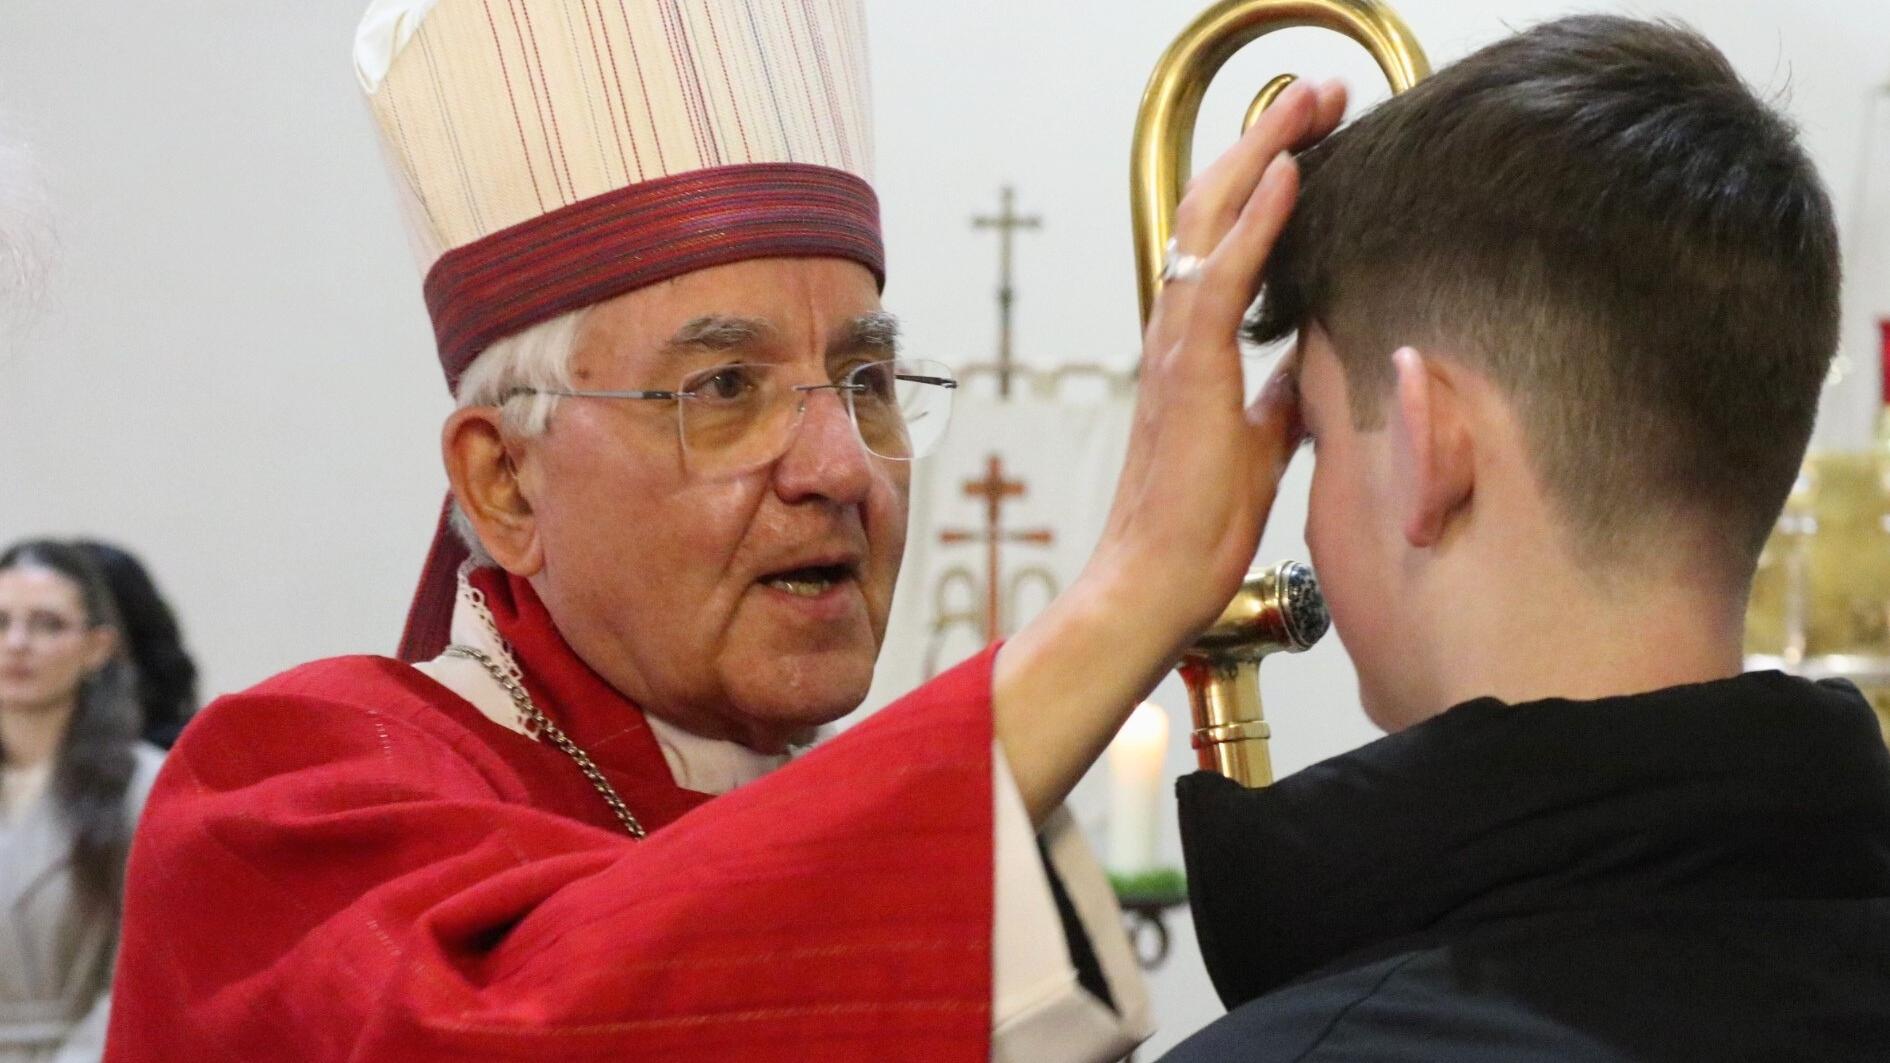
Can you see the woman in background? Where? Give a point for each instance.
(73, 777)
(167, 677)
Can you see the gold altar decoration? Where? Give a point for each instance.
(1278, 608)
(1820, 603)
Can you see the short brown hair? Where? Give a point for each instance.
(1597, 214)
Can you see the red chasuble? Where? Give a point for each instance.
(349, 862)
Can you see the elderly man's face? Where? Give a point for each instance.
(747, 606)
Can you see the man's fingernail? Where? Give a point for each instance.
(1276, 167)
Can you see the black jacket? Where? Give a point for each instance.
(1699, 873)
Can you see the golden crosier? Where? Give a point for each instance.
(1277, 608)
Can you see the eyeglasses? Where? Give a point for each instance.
(731, 418)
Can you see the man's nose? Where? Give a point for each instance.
(12, 635)
(825, 458)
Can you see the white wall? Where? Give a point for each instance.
(233, 372)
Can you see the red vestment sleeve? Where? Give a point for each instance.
(326, 876)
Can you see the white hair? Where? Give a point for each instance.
(539, 359)
(26, 231)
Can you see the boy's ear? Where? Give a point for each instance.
(484, 472)
(1434, 425)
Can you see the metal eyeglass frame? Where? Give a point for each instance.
(844, 388)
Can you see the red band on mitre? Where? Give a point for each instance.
(637, 235)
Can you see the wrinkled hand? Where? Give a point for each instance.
(1202, 470)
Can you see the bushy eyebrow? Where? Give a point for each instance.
(716, 332)
(876, 332)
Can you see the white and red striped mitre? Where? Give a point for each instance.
(552, 154)
(555, 153)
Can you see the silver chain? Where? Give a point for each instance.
(537, 723)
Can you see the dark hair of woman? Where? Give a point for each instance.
(167, 677)
(95, 761)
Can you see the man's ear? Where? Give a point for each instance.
(1433, 422)
(483, 469)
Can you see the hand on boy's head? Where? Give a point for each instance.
(1217, 196)
(1202, 467)
(1332, 96)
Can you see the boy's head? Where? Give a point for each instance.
(1616, 273)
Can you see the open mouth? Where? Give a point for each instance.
(810, 581)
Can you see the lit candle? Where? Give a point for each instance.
(1135, 788)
